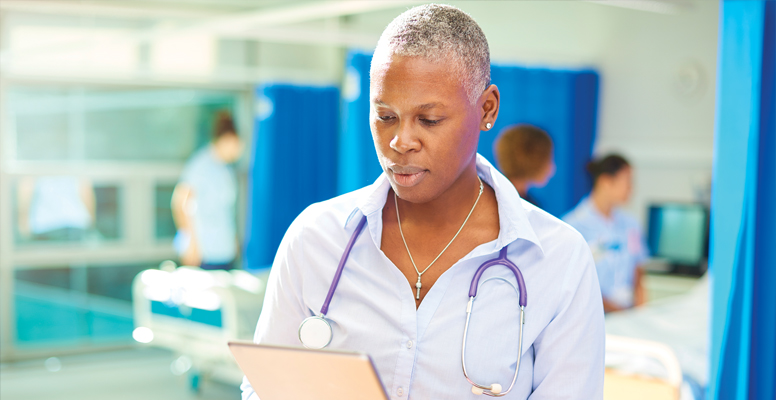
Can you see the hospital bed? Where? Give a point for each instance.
(194, 313)
(664, 343)
(657, 351)
(640, 370)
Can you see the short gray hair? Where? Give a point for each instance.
(439, 32)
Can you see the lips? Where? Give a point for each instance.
(407, 176)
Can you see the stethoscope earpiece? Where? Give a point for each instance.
(494, 389)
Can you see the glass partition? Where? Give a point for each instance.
(113, 124)
(66, 208)
(165, 226)
(74, 305)
(88, 175)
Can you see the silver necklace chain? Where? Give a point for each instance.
(418, 285)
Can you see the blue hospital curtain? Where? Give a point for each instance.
(293, 162)
(743, 218)
(563, 103)
(358, 165)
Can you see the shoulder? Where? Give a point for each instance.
(566, 258)
(327, 218)
(201, 156)
(554, 235)
(199, 160)
(577, 215)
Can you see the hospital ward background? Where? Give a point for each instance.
(110, 110)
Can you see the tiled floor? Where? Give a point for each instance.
(121, 375)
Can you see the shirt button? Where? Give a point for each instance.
(409, 344)
(399, 392)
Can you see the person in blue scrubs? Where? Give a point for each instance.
(435, 215)
(524, 155)
(204, 201)
(615, 237)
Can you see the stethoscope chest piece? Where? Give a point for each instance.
(315, 332)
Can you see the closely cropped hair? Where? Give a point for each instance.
(522, 151)
(440, 33)
(223, 125)
(609, 165)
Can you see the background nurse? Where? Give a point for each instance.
(614, 236)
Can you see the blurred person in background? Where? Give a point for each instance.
(204, 201)
(59, 208)
(615, 237)
(524, 154)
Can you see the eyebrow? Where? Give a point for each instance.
(422, 107)
(429, 106)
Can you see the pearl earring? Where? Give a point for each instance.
(488, 125)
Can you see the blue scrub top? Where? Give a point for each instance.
(618, 248)
(214, 207)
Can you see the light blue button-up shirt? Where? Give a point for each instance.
(617, 245)
(417, 352)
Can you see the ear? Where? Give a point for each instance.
(490, 100)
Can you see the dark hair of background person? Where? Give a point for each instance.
(609, 165)
(224, 125)
(522, 151)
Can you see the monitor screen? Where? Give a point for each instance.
(678, 233)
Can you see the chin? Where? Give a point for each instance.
(417, 194)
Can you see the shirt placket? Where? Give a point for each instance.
(407, 350)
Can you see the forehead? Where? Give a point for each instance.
(415, 80)
(624, 172)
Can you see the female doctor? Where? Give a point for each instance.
(436, 215)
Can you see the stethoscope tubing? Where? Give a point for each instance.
(341, 267)
(486, 389)
(500, 260)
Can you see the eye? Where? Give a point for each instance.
(430, 122)
(386, 118)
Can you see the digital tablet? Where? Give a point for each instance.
(282, 373)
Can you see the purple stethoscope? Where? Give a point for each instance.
(315, 332)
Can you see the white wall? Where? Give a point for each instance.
(658, 100)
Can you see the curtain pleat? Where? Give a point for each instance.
(293, 162)
(743, 219)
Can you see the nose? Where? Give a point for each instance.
(405, 140)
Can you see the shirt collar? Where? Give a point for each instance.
(513, 217)
(593, 212)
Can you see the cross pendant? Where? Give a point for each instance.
(418, 286)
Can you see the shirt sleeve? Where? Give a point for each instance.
(569, 352)
(189, 173)
(283, 308)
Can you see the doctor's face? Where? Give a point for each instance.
(424, 127)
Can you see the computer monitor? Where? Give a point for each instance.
(678, 233)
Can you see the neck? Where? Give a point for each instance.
(521, 185)
(446, 209)
(602, 203)
(218, 153)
